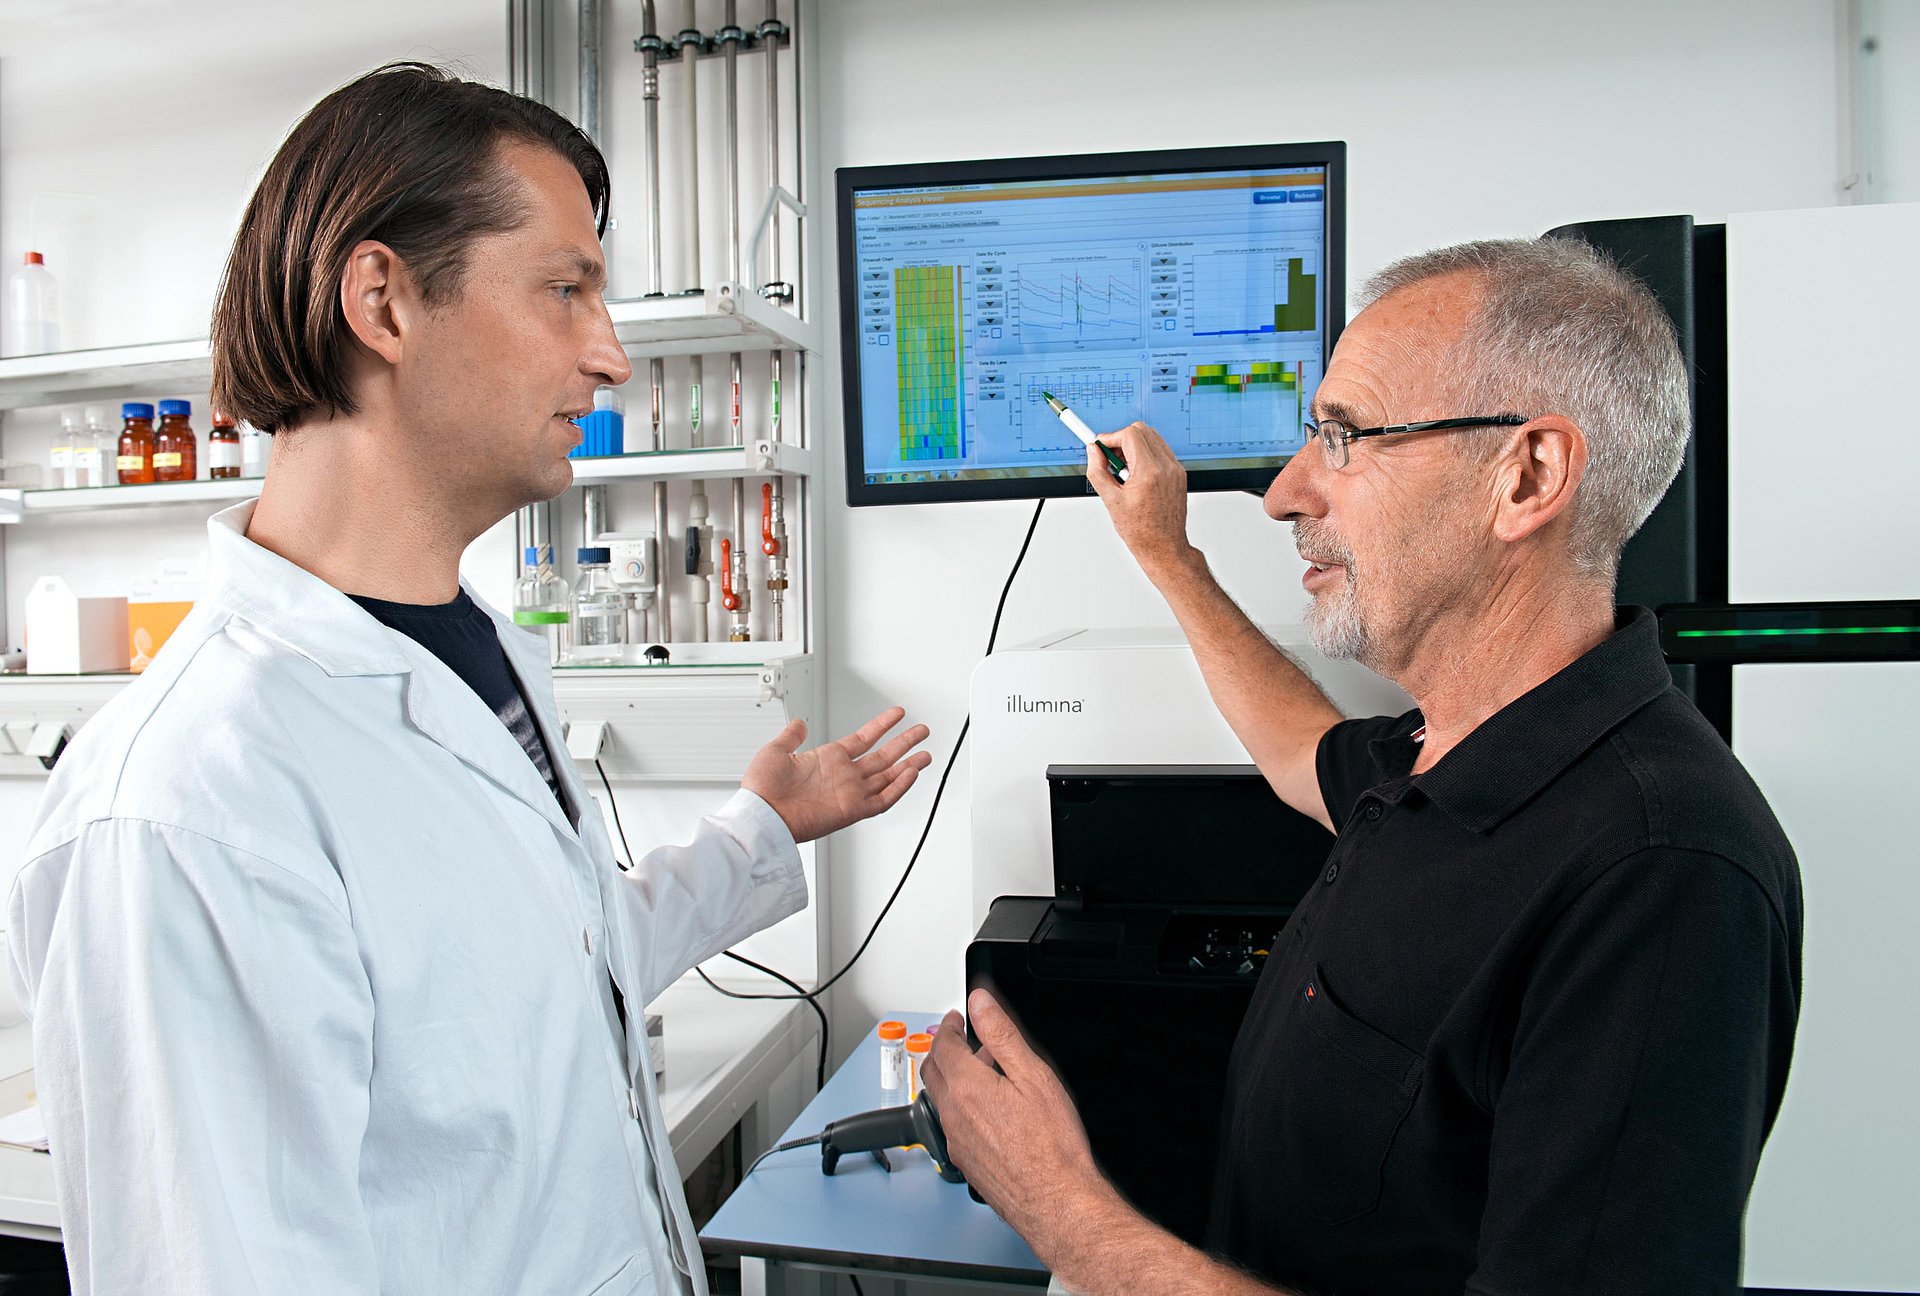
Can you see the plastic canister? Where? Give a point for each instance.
(918, 1046)
(893, 1060)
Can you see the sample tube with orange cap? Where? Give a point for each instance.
(893, 1061)
(918, 1046)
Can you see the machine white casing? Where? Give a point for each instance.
(1103, 697)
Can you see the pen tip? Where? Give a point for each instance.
(1047, 396)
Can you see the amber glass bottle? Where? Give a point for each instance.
(135, 458)
(223, 448)
(176, 451)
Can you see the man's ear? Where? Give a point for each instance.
(377, 297)
(1538, 476)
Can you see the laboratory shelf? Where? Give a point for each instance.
(61, 376)
(92, 499)
(755, 459)
(726, 317)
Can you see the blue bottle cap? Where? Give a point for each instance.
(170, 408)
(136, 410)
(532, 556)
(597, 554)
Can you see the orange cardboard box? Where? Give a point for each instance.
(148, 627)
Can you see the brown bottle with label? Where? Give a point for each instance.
(223, 448)
(176, 451)
(134, 460)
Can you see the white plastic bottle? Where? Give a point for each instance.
(33, 308)
(599, 611)
(256, 451)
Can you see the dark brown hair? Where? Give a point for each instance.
(406, 155)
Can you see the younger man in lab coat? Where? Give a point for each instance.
(328, 955)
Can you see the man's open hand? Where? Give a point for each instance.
(838, 783)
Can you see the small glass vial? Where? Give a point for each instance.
(134, 461)
(92, 449)
(540, 601)
(60, 453)
(599, 612)
(918, 1046)
(893, 1062)
(223, 448)
(176, 451)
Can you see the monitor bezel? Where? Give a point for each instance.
(1331, 154)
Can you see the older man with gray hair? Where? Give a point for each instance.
(1530, 1030)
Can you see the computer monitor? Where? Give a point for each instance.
(1198, 290)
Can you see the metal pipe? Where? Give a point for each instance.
(693, 43)
(588, 12)
(770, 31)
(650, 45)
(799, 161)
(662, 593)
(739, 631)
(731, 36)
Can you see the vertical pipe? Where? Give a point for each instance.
(732, 37)
(662, 591)
(593, 499)
(650, 45)
(692, 45)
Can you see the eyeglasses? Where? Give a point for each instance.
(1336, 436)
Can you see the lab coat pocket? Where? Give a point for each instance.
(1351, 1087)
(630, 1277)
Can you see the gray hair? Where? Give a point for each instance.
(1561, 330)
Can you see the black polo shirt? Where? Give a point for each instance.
(1530, 1029)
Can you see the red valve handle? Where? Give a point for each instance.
(768, 545)
(728, 599)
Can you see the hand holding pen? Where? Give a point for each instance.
(1116, 463)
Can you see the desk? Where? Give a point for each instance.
(787, 1217)
(727, 1061)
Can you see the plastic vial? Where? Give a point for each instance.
(918, 1046)
(540, 601)
(60, 454)
(33, 308)
(893, 1062)
(92, 449)
(599, 611)
(223, 448)
(176, 451)
(134, 462)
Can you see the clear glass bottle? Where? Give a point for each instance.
(599, 612)
(134, 461)
(540, 602)
(93, 450)
(176, 451)
(60, 453)
(223, 448)
(256, 451)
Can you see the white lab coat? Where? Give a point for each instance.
(319, 972)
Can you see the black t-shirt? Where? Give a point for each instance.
(1530, 1029)
(463, 636)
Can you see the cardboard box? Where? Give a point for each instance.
(150, 623)
(71, 635)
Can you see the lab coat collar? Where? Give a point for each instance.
(317, 621)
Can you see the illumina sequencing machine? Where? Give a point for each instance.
(1197, 290)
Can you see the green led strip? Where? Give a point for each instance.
(1809, 630)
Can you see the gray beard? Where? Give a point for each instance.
(1334, 626)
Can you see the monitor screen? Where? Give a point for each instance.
(1199, 291)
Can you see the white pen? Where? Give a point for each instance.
(1075, 424)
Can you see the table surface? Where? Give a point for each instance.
(722, 1056)
(910, 1221)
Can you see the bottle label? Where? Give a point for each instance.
(166, 460)
(61, 458)
(130, 463)
(539, 618)
(224, 454)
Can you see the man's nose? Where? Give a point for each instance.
(1294, 492)
(606, 359)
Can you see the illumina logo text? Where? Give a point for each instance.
(1018, 705)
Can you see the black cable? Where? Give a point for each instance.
(856, 1285)
(820, 1065)
(812, 1140)
(992, 636)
